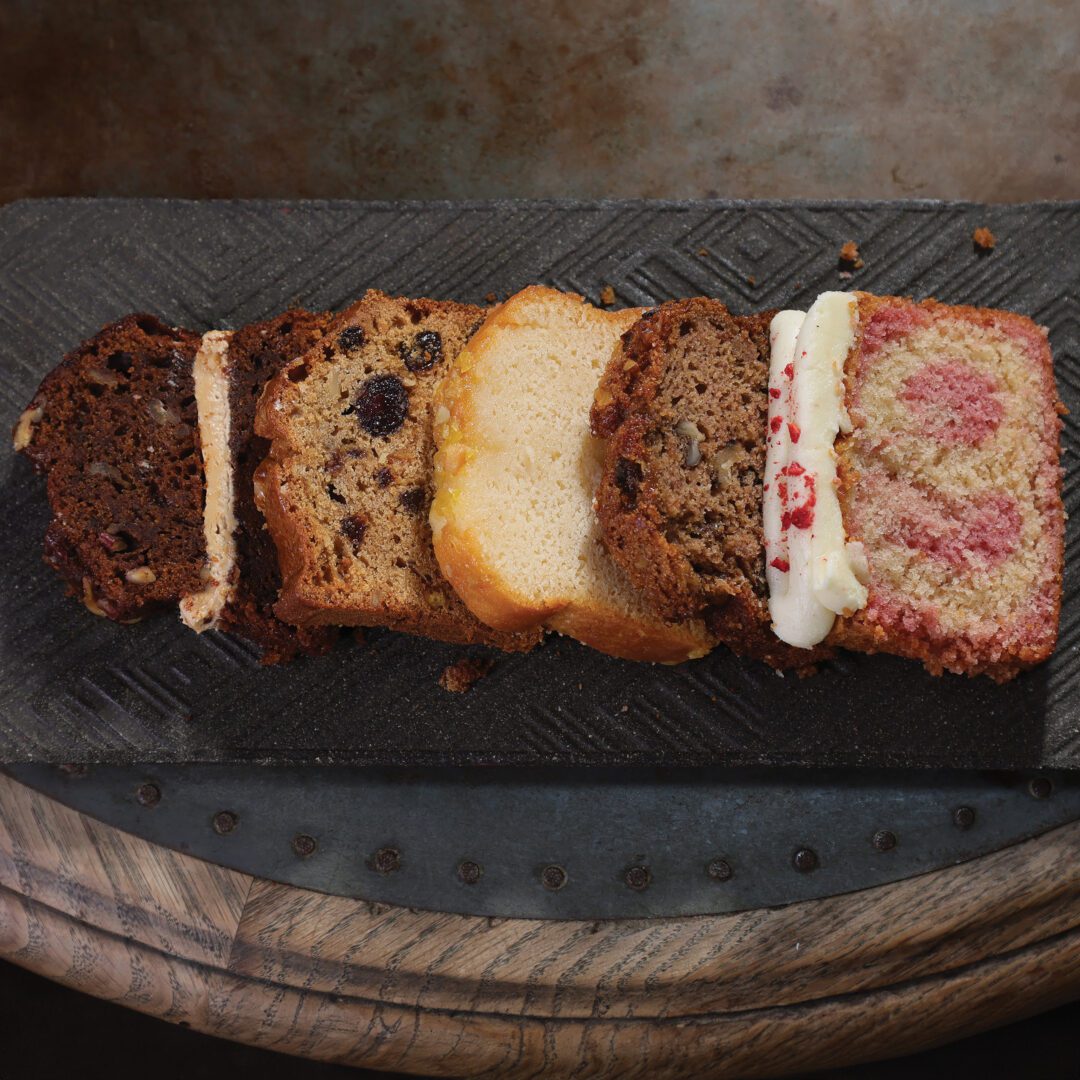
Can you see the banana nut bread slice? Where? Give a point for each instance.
(683, 407)
(347, 481)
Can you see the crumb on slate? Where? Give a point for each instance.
(703, 252)
(850, 259)
(984, 239)
(751, 281)
(491, 298)
(462, 674)
(607, 296)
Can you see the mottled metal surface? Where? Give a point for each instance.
(559, 844)
(465, 99)
(77, 687)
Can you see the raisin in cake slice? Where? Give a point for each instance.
(231, 369)
(950, 480)
(347, 480)
(682, 408)
(114, 429)
(516, 470)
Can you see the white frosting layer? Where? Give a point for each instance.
(812, 571)
(202, 609)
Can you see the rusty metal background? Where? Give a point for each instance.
(458, 99)
(78, 688)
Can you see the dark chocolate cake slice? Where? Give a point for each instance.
(242, 574)
(115, 431)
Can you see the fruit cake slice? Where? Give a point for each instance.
(347, 480)
(231, 370)
(114, 429)
(950, 479)
(683, 408)
(516, 471)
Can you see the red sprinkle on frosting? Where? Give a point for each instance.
(781, 564)
(789, 371)
(802, 517)
(776, 422)
(794, 431)
(773, 392)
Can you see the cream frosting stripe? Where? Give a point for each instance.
(201, 610)
(813, 572)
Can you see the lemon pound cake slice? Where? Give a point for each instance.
(515, 474)
(231, 369)
(347, 481)
(114, 429)
(915, 459)
(683, 407)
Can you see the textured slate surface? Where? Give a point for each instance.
(75, 687)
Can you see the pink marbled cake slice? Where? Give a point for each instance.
(951, 480)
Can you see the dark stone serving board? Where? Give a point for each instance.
(79, 688)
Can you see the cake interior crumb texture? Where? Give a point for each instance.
(347, 482)
(951, 480)
(114, 428)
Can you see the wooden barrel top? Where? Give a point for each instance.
(872, 974)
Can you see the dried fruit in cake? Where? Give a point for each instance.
(243, 580)
(114, 429)
(347, 480)
(516, 470)
(682, 408)
(950, 479)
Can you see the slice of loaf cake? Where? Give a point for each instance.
(950, 479)
(347, 480)
(516, 470)
(243, 581)
(683, 408)
(115, 430)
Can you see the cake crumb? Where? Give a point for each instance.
(703, 252)
(607, 296)
(460, 676)
(850, 259)
(491, 298)
(983, 239)
(751, 281)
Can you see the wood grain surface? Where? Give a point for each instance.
(867, 975)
